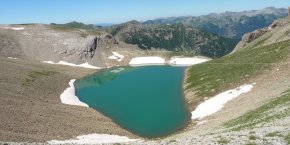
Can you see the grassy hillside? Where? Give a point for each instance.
(210, 78)
(263, 114)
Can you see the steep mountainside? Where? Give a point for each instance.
(176, 37)
(229, 24)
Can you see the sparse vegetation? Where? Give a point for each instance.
(82, 29)
(250, 143)
(287, 138)
(274, 134)
(33, 75)
(223, 141)
(252, 137)
(260, 114)
(172, 141)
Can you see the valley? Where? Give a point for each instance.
(145, 82)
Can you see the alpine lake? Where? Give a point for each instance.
(147, 100)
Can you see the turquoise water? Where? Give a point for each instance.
(147, 101)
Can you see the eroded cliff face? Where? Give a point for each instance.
(46, 43)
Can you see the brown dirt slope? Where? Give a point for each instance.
(30, 107)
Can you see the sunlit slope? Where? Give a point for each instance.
(257, 57)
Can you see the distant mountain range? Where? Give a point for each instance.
(105, 24)
(229, 24)
(212, 35)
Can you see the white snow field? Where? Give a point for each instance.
(142, 61)
(84, 65)
(187, 61)
(12, 58)
(217, 102)
(96, 139)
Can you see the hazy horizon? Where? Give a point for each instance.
(115, 12)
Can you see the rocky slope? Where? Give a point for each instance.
(176, 37)
(229, 24)
(62, 43)
(278, 31)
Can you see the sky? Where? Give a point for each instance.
(118, 11)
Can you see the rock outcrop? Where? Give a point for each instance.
(251, 36)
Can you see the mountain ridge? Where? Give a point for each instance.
(228, 23)
(177, 37)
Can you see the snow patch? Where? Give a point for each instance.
(216, 103)
(12, 58)
(49, 62)
(13, 28)
(186, 61)
(116, 56)
(68, 96)
(19, 28)
(84, 65)
(95, 139)
(141, 61)
(87, 65)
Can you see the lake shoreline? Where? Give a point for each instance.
(74, 115)
(187, 127)
(181, 98)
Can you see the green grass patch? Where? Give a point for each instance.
(250, 143)
(172, 141)
(274, 134)
(212, 77)
(223, 141)
(252, 137)
(287, 138)
(33, 75)
(260, 115)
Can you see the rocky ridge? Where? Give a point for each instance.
(48, 43)
(276, 32)
(229, 24)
